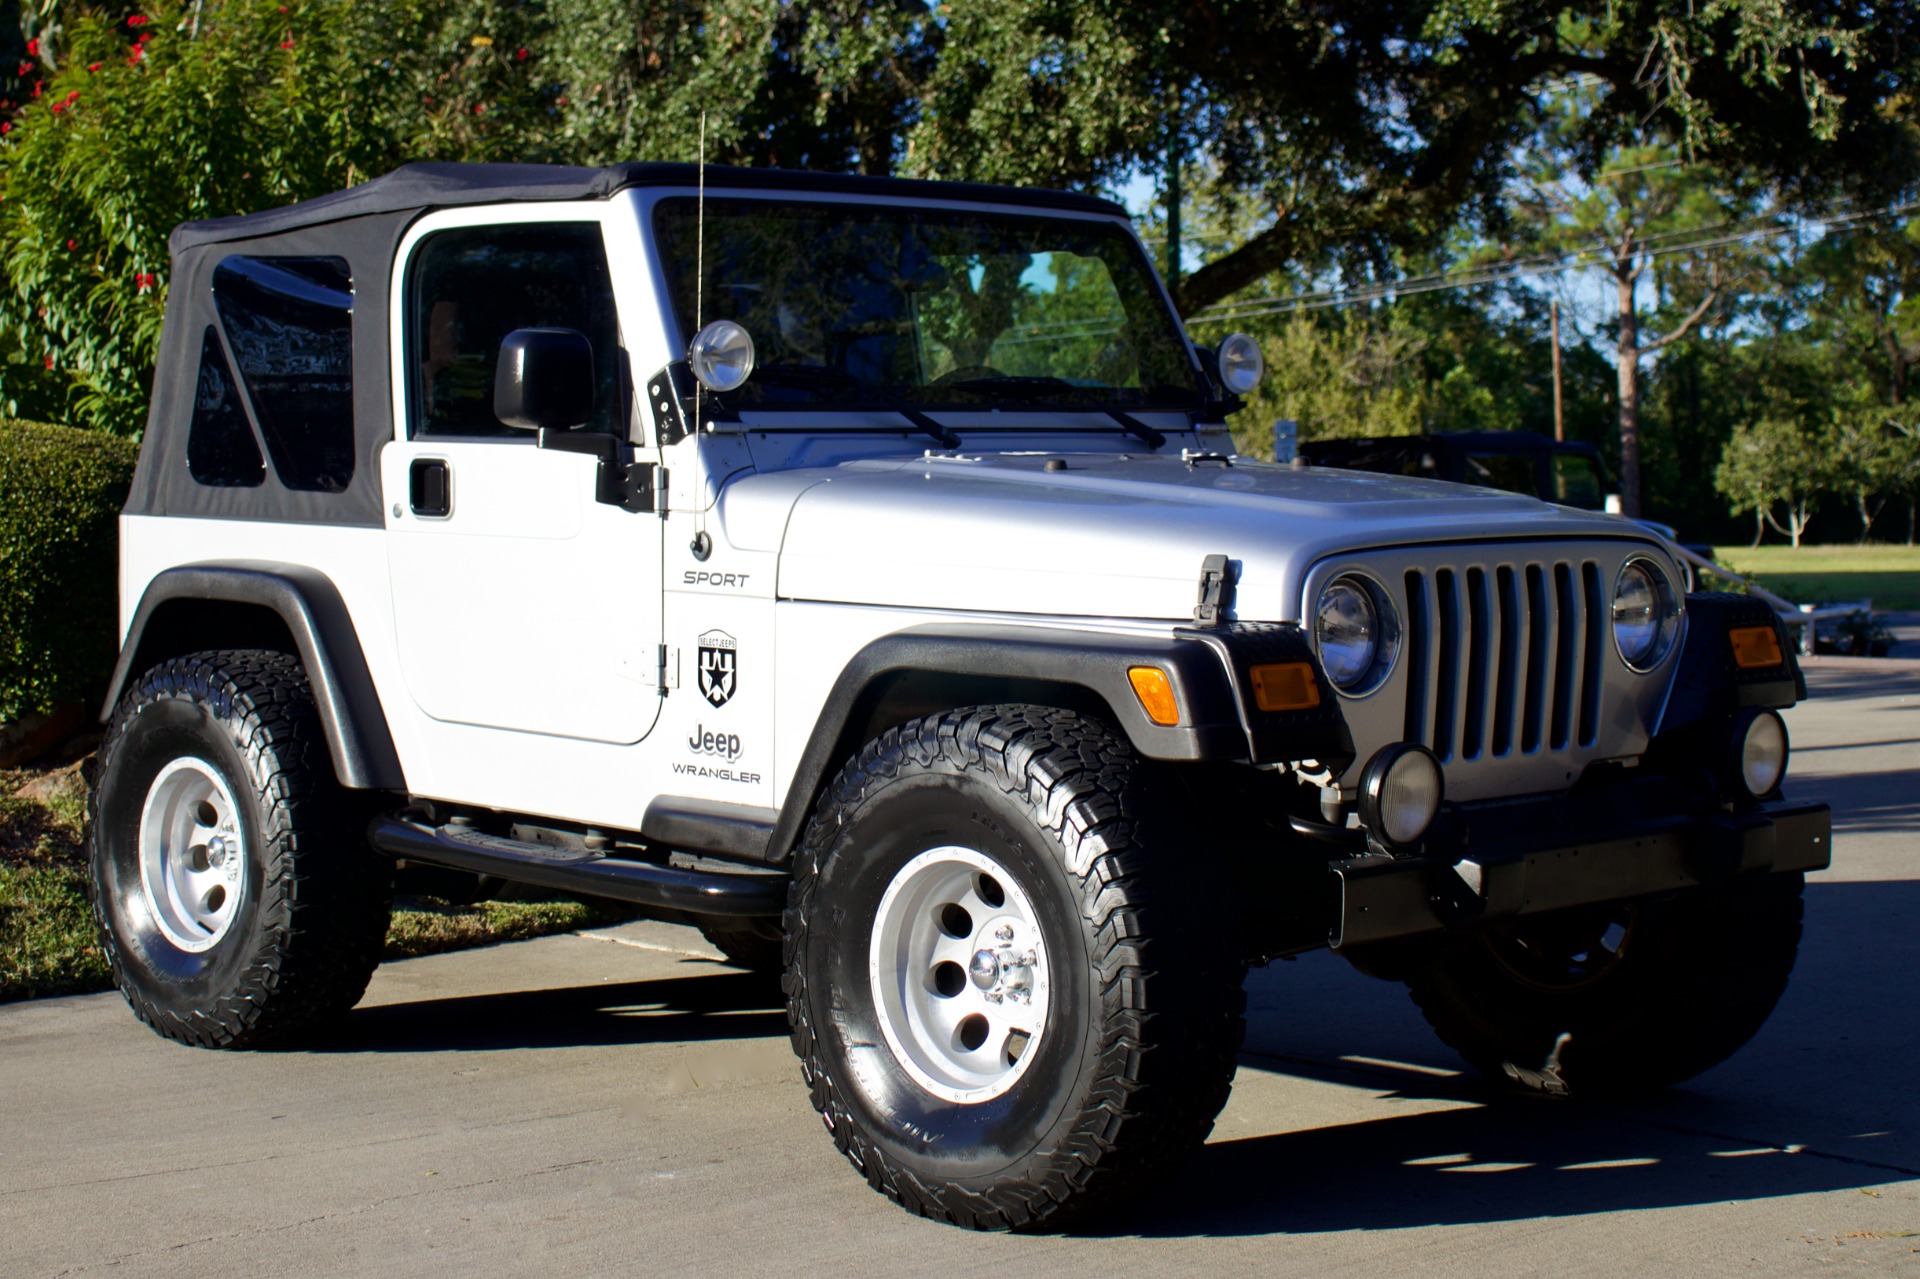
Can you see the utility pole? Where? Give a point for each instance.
(1559, 415)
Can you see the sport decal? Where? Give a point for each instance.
(719, 662)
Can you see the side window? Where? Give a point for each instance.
(289, 322)
(221, 452)
(1576, 483)
(470, 287)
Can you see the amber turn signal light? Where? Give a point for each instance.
(1285, 686)
(1151, 686)
(1755, 647)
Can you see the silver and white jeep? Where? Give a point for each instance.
(862, 571)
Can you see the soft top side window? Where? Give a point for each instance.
(469, 287)
(289, 323)
(221, 452)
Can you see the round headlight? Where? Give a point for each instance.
(721, 355)
(1400, 792)
(1241, 363)
(1356, 632)
(1645, 614)
(1762, 743)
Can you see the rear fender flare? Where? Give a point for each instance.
(190, 609)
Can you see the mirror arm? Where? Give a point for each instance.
(636, 486)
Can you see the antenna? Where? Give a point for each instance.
(700, 257)
(700, 233)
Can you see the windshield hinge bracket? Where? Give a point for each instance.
(672, 397)
(1216, 591)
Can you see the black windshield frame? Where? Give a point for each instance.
(1142, 332)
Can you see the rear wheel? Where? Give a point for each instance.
(1008, 983)
(237, 899)
(1620, 998)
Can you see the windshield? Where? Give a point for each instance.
(865, 306)
(1510, 471)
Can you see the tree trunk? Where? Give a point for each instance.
(1867, 517)
(1759, 524)
(1627, 355)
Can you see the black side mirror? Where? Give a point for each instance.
(544, 379)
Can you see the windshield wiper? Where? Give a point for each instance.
(1005, 388)
(947, 439)
(1135, 427)
(806, 377)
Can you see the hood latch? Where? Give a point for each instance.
(1216, 591)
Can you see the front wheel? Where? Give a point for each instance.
(1619, 998)
(237, 899)
(1009, 985)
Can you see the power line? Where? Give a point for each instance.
(1597, 253)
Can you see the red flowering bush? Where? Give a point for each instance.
(195, 112)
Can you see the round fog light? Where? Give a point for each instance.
(1400, 792)
(1760, 736)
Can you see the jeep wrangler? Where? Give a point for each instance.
(861, 570)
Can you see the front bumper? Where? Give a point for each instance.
(1527, 872)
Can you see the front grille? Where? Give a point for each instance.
(1506, 668)
(1504, 657)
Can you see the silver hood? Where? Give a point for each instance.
(1109, 536)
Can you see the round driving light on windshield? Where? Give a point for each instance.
(1760, 743)
(1645, 614)
(1400, 792)
(721, 355)
(1355, 629)
(1241, 363)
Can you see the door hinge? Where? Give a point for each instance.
(669, 669)
(638, 487)
(1216, 591)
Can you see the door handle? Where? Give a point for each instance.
(430, 488)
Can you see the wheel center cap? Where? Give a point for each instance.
(985, 968)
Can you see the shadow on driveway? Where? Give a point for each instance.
(718, 1004)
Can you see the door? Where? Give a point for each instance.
(519, 601)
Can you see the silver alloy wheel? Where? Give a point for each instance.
(959, 974)
(193, 862)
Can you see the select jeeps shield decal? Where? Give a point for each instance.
(719, 658)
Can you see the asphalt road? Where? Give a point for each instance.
(618, 1104)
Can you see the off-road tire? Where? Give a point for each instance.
(309, 924)
(1697, 975)
(1144, 1020)
(752, 944)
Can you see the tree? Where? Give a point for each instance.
(822, 84)
(1357, 130)
(1345, 374)
(1628, 216)
(1771, 463)
(183, 112)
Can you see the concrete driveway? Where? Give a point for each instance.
(617, 1103)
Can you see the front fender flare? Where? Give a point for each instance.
(1206, 666)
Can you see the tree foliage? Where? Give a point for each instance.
(185, 112)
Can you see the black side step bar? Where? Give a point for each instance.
(735, 894)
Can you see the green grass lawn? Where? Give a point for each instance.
(1887, 575)
(47, 941)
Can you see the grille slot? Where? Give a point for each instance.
(1504, 659)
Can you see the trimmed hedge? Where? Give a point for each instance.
(61, 491)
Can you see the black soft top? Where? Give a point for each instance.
(364, 227)
(417, 187)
